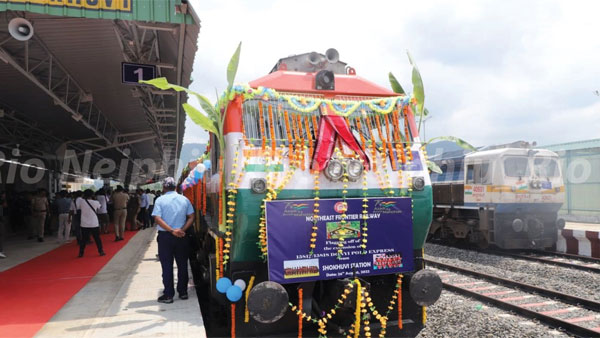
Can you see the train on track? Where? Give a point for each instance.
(507, 196)
(326, 207)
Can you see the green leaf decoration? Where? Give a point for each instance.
(417, 81)
(199, 118)
(396, 87)
(233, 67)
(460, 142)
(434, 167)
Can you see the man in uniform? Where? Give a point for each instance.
(120, 199)
(174, 214)
(40, 210)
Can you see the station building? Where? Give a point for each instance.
(580, 164)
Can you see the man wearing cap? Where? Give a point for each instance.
(174, 214)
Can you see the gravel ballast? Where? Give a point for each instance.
(457, 316)
(570, 281)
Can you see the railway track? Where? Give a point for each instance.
(575, 315)
(563, 260)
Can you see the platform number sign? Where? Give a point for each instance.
(133, 73)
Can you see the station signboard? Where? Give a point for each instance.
(133, 73)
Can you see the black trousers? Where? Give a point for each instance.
(169, 248)
(150, 209)
(85, 234)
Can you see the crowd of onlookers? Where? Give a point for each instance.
(37, 215)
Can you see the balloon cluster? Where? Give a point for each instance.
(232, 291)
(196, 174)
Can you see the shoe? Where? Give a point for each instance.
(80, 255)
(2, 255)
(183, 296)
(40, 239)
(165, 299)
(116, 239)
(102, 254)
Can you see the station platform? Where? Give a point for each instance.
(57, 294)
(579, 239)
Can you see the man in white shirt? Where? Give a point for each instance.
(103, 219)
(89, 221)
(151, 198)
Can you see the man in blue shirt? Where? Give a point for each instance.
(174, 214)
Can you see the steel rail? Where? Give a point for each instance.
(546, 319)
(545, 260)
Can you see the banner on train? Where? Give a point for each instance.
(107, 5)
(289, 226)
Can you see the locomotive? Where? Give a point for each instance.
(507, 196)
(326, 207)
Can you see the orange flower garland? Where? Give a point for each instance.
(373, 143)
(300, 305)
(272, 131)
(288, 131)
(232, 320)
(407, 133)
(310, 139)
(261, 121)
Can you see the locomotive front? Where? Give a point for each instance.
(327, 203)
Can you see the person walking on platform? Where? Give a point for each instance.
(63, 206)
(144, 205)
(89, 221)
(40, 211)
(103, 218)
(76, 216)
(151, 197)
(174, 214)
(120, 199)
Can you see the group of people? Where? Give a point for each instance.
(34, 214)
(88, 214)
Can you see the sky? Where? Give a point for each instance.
(494, 71)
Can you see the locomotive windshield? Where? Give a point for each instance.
(545, 167)
(288, 124)
(516, 166)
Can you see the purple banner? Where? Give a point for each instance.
(289, 227)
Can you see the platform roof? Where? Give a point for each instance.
(62, 90)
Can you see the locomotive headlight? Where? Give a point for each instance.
(258, 185)
(518, 225)
(354, 170)
(334, 170)
(560, 223)
(418, 183)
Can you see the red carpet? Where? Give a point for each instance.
(31, 293)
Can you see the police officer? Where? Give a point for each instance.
(174, 214)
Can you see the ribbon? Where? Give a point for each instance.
(331, 127)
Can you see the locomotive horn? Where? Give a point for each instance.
(314, 58)
(20, 29)
(332, 55)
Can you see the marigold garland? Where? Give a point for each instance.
(372, 140)
(232, 320)
(261, 122)
(365, 214)
(288, 131)
(231, 203)
(309, 104)
(272, 131)
(315, 228)
(300, 306)
(248, 288)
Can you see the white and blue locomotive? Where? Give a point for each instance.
(507, 197)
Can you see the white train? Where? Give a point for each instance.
(508, 197)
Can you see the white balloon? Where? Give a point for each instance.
(240, 283)
(200, 167)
